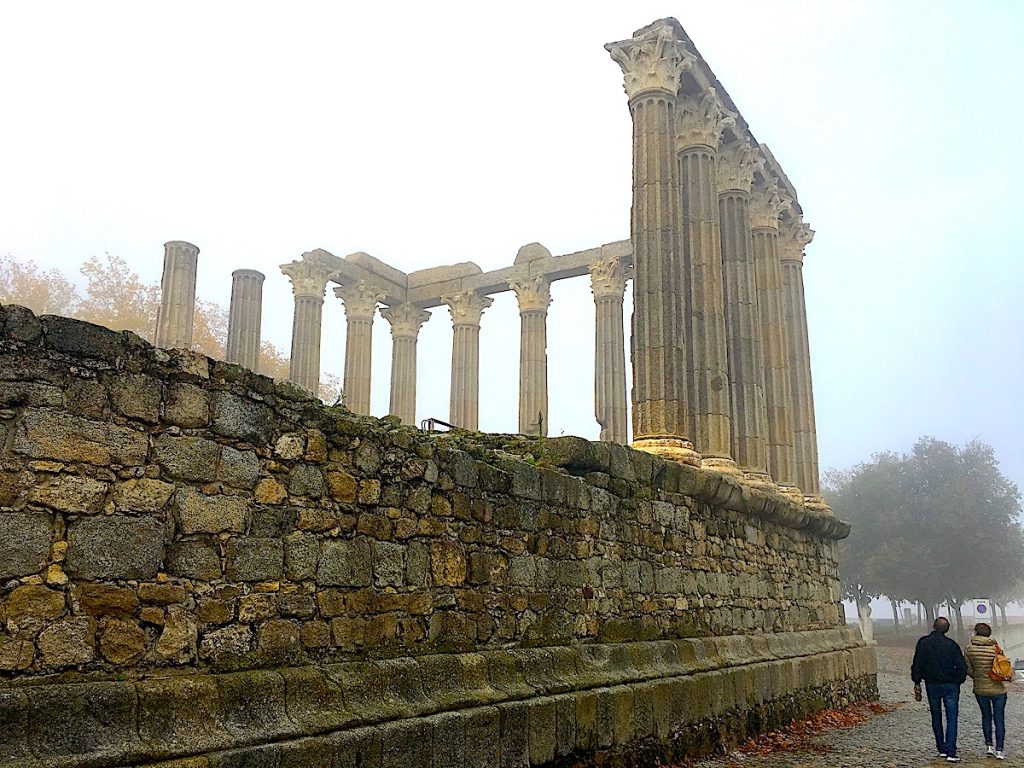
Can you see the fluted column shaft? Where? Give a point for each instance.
(608, 282)
(406, 320)
(652, 62)
(805, 437)
(743, 336)
(781, 458)
(534, 296)
(176, 314)
(464, 403)
(309, 279)
(360, 302)
(244, 318)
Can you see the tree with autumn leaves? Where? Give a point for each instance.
(117, 298)
(939, 524)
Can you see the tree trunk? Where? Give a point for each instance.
(920, 613)
(1002, 612)
(895, 617)
(959, 619)
(929, 611)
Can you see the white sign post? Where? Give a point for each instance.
(982, 610)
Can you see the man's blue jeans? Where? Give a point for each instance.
(944, 695)
(993, 708)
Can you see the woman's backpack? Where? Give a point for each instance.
(1002, 667)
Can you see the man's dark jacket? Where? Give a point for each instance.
(937, 659)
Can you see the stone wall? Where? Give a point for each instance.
(167, 516)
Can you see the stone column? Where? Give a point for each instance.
(765, 207)
(406, 320)
(652, 63)
(466, 309)
(608, 282)
(360, 301)
(793, 238)
(534, 296)
(700, 121)
(244, 318)
(309, 280)
(736, 166)
(177, 309)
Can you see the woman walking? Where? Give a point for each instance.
(991, 694)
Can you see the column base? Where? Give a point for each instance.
(760, 480)
(672, 448)
(724, 464)
(818, 504)
(792, 493)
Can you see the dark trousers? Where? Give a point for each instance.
(944, 695)
(993, 708)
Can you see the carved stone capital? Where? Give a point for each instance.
(794, 236)
(766, 205)
(654, 60)
(737, 164)
(309, 278)
(467, 307)
(700, 121)
(405, 319)
(608, 278)
(533, 293)
(360, 299)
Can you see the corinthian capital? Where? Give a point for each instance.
(309, 277)
(766, 205)
(608, 278)
(701, 119)
(360, 299)
(405, 319)
(467, 307)
(737, 164)
(794, 236)
(654, 60)
(533, 293)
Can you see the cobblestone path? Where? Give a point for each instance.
(899, 738)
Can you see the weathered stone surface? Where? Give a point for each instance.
(60, 436)
(105, 600)
(187, 406)
(388, 564)
(270, 491)
(305, 480)
(24, 543)
(70, 493)
(342, 486)
(177, 643)
(188, 458)
(240, 469)
(162, 593)
(68, 643)
(240, 418)
(290, 446)
(122, 642)
(137, 397)
(115, 547)
(345, 563)
(16, 653)
(233, 641)
(447, 563)
(255, 559)
(142, 495)
(199, 513)
(34, 603)
(194, 559)
(301, 556)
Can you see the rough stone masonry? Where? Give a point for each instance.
(204, 567)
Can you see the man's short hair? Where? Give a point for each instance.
(941, 625)
(982, 629)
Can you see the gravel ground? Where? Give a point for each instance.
(902, 737)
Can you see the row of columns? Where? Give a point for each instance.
(721, 364)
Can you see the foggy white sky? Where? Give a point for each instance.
(431, 133)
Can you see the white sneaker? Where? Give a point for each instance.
(942, 754)
(990, 751)
(1000, 755)
(953, 759)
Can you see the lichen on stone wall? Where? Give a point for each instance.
(159, 509)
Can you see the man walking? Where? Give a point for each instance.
(940, 663)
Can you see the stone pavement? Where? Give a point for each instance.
(899, 738)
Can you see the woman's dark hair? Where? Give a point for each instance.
(983, 630)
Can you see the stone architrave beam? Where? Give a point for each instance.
(608, 283)
(652, 63)
(534, 296)
(177, 296)
(244, 318)
(466, 309)
(360, 302)
(309, 281)
(406, 320)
